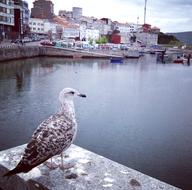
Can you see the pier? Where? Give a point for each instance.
(21, 52)
(91, 172)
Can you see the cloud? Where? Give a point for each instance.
(169, 15)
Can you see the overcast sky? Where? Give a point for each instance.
(168, 15)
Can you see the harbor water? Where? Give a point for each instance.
(138, 112)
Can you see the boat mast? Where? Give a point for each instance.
(145, 11)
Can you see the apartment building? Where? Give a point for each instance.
(37, 25)
(6, 18)
(26, 13)
(43, 9)
(18, 28)
(57, 27)
(66, 14)
(77, 12)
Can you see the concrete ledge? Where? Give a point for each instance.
(91, 172)
(22, 52)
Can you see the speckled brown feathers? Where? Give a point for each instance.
(52, 136)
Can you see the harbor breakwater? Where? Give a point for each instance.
(21, 52)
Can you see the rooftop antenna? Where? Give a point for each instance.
(145, 11)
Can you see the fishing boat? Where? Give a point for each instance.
(180, 60)
(116, 59)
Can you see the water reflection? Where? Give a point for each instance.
(137, 113)
(19, 80)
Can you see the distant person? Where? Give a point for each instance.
(163, 56)
(188, 59)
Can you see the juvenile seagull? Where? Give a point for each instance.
(53, 136)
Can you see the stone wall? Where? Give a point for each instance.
(20, 52)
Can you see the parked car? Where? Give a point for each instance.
(47, 43)
(16, 41)
(26, 39)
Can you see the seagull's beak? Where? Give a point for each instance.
(82, 95)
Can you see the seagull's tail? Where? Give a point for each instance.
(18, 169)
(22, 167)
(11, 172)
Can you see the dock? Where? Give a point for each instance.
(90, 172)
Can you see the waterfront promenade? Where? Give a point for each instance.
(12, 52)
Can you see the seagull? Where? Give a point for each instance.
(53, 136)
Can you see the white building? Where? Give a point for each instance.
(50, 28)
(133, 27)
(147, 38)
(37, 25)
(58, 28)
(91, 34)
(82, 32)
(123, 28)
(126, 27)
(102, 26)
(70, 32)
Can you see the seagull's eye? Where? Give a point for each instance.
(72, 92)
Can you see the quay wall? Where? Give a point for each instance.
(21, 52)
(18, 52)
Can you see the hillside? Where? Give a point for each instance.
(185, 37)
(167, 39)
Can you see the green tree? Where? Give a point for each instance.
(102, 40)
(90, 41)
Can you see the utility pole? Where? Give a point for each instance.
(137, 23)
(145, 11)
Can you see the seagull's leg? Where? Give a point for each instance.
(62, 160)
(51, 165)
(65, 166)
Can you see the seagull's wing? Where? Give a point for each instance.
(48, 140)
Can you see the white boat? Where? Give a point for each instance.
(132, 53)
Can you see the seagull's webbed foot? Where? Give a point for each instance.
(66, 166)
(51, 165)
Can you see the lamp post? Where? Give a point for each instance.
(145, 11)
(3, 32)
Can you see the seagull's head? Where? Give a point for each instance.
(69, 94)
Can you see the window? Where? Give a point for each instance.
(12, 11)
(3, 1)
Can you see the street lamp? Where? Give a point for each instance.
(145, 11)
